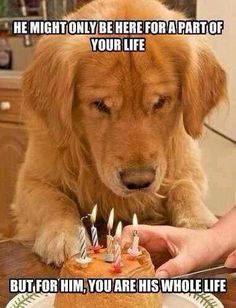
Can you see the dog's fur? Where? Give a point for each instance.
(76, 152)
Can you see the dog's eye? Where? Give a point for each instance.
(160, 102)
(101, 106)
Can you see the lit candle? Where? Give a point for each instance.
(117, 255)
(133, 250)
(96, 247)
(109, 250)
(83, 259)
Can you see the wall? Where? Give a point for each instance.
(219, 154)
(224, 120)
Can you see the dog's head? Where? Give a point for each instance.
(125, 106)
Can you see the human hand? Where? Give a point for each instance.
(190, 249)
(231, 260)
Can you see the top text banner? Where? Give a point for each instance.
(119, 27)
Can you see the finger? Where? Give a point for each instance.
(153, 238)
(177, 266)
(145, 234)
(126, 235)
(231, 260)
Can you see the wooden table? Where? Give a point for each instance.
(17, 261)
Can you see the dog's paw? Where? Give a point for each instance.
(195, 222)
(54, 245)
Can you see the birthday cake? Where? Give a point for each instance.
(132, 267)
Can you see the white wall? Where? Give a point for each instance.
(224, 46)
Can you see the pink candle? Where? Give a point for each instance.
(117, 255)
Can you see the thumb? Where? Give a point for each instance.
(181, 264)
(231, 260)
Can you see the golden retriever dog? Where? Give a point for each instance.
(115, 129)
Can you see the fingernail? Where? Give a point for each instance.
(162, 274)
(231, 262)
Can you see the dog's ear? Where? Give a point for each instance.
(48, 87)
(203, 87)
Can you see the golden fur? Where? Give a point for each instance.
(76, 152)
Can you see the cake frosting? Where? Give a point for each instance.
(138, 267)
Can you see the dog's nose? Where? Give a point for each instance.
(137, 178)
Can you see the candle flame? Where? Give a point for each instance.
(94, 214)
(119, 229)
(135, 221)
(110, 220)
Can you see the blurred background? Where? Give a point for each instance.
(218, 142)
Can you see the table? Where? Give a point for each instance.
(17, 261)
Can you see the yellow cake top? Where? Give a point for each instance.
(140, 266)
